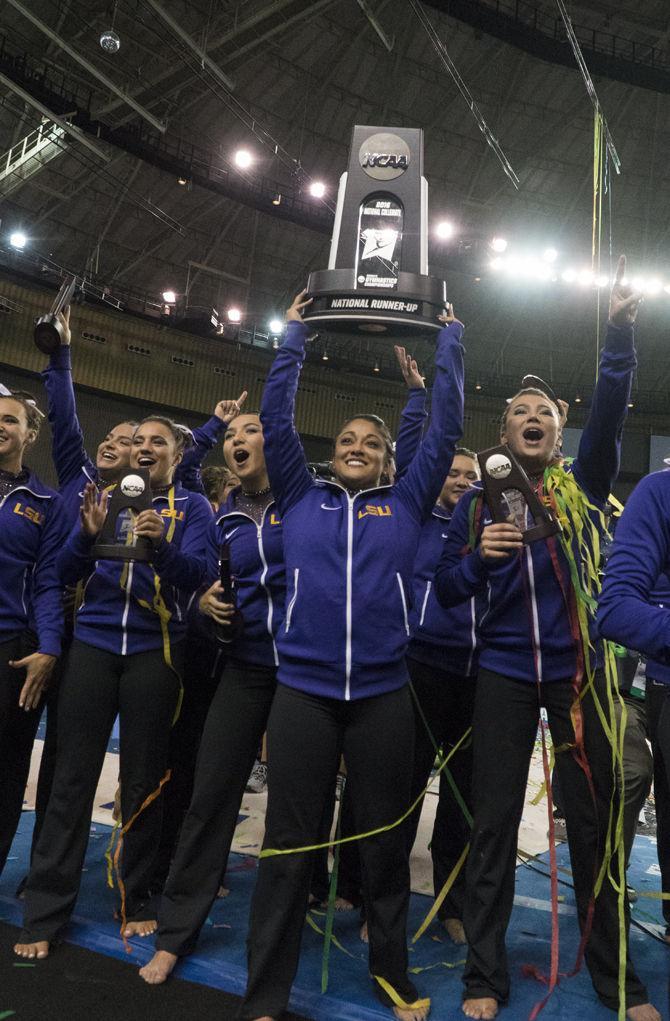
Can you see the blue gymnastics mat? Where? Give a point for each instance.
(220, 958)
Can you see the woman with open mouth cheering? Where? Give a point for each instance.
(126, 658)
(539, 649)
(248, 533)
(349, 547)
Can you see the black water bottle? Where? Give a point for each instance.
(227, 633)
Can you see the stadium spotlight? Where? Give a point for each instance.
(317, 189)
(499, 244)
(169, 297)
(243, 159)
(234, 315)
(276, 326)
(444, 230)
(569, 275)
(376, 368)
(550, 255)
(18, 239)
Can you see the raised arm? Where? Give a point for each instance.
(640, 553)
(68, 450)
(414, 414)
(597, 464)
(284, 456)
(421, 485)
(205, 438)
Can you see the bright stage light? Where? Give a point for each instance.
(234, 315)
(585, 278)
(169, 297)
(18, 239)
(324, 356)
(569, 275)
(317, 189)
(498, 244)
(654, 286)
(603, 280)
(550, 255)
(445, 230)
(496, 263)
(276, 326)
(243, 159)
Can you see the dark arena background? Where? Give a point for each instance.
(182, 159)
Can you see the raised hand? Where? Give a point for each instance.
(449, 317)
(64, 319)
(624, 302)
(38, 667)
(94, 509)
(409, 369)
(227, 410)
(294, 313)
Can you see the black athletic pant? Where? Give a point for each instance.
(447, 702)
(504, 728)
(235, 724)
(306, 736)
(96, 685)
(638, 768)
(658, 715)
(203, 662)
(17, 735)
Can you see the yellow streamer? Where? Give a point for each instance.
(451, 879)
(269, 852)
(398, 1000)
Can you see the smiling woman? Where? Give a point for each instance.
(342, 674)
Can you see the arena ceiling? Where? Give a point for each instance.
(194, 81)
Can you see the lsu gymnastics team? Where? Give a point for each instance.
(378, 613)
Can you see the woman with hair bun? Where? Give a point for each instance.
(126, 658)
(349, 547)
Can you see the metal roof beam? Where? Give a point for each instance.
(201, 54)
(87, 65)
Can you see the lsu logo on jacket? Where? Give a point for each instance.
(372, 511)
(33, 515)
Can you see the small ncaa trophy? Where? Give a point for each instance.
(131, 495)
(507, 490)
(48, 331)
(377, 278)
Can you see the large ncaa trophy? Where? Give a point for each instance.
(131, 495)
(507, 490)
(377, 278)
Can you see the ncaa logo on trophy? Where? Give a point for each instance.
(377, 279)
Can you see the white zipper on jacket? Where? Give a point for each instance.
(534, 613)
(404, 602)
(289, 609)
(473, 636)
(264, 573)
(126, 609)
(350, 556)
(350, 567)
(24, 489)
(425, 603)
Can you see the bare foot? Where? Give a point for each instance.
(159, 967)
(411, 1013)
(364, 933)
(39, 949)
(146, 928)
(455, 930)
(342, 904)
(222, 892)
(643, 1012)
(483, 1007)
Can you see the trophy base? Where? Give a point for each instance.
(48, 333)
(338, 305)
(111, 551)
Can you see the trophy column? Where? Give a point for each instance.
(377, 278)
